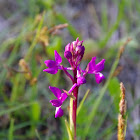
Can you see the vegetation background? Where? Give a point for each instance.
(32, 30)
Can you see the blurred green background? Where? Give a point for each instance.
(30, 31)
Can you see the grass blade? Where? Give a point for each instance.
(82, 102)
(68, 130)
(17, 107)
(11, 130)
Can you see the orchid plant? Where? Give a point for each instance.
(73, 53)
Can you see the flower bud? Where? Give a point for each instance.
(68, 54)
(74, 43)
(80, 50)
(67, 48)
(79, 43)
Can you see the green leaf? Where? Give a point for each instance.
(71, 29)
(114, 90)
(11, 130)
(17, 107)
(115, 26)
(35, 111)
(82, 102)
(37, 134)
(68, 130)
(55, 45)
(114, 86)
(91, 47)
(32, 46)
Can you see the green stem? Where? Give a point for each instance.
(70, 115)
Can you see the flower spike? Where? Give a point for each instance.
(74, 53)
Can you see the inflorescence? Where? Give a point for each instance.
(73, 53)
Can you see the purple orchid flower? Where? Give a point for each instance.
(52, 65)
(93, 68)
(74, 53)
(61, 97)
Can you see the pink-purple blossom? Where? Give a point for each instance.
(52, 65)
(58, 112)
(74, 53)
(61, 97)
(93, 68)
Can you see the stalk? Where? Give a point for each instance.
(73, 107)
(75, 92)
(122, 115)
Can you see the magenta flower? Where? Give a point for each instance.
(73, 53)
(93, 68)
(52, 65)
(61, 97)
(58, 112)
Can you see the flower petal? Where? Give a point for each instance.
(81, 80)
(58, 112)
(68, 54)
(56, 102)
(99, 77)
(91, 65)
(58, 58)
(51, 70)
(67, 47)
(55, 91)
(100, 66)
(63, 97)
(50, 63)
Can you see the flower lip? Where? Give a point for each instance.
(99, 77)
(58, 112)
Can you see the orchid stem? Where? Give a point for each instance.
(73, 107)
(75, 92)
